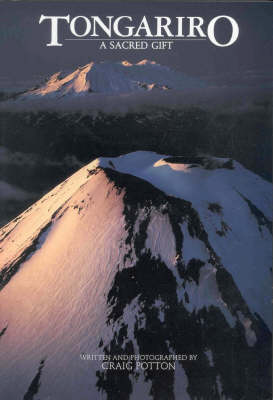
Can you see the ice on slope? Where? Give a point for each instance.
(113, 78)
(60, 290)
(243, 245)
(55, 306)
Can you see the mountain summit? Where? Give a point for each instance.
(113, 78)
(143, 254)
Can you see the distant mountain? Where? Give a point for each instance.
(113, 78)
(140, 254)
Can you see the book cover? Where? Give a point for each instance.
(135, 200)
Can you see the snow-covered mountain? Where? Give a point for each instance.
(140, 254)
(113, 78)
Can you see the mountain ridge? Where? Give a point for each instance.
(113, 78)
(120, 262)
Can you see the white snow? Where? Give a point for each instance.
(141, 388)
(113, 77)
(206, 293)
(249, 333)
(210, 357)
(159, 304)
(245, 250)
(220, 388)
(160, 238)
(193, 248)
(55, 305)
(181, 383)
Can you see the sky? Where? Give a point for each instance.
(25, 55)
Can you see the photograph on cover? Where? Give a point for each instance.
(135, 200)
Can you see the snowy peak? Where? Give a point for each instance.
(142, 62)
(113, 77)
(146, 62)
(105, 262)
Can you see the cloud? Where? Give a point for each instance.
(11, 192)
(215, 98)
